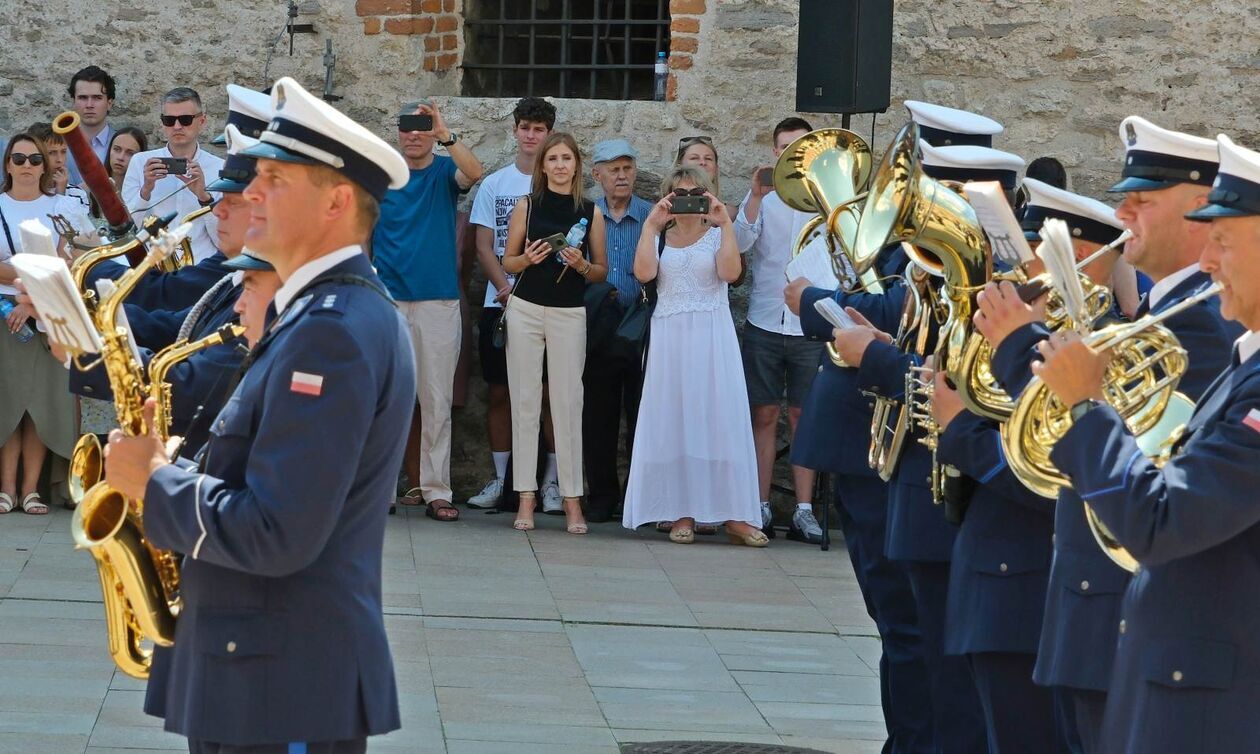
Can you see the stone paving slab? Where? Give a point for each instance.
(538, 643)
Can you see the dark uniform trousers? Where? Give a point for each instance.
(1079, 632)
(833, 437)
(282, 634)
(611, 390)
(1187, 671)
(997, 591)
(353, 746)
(922, 540)
(169, 291)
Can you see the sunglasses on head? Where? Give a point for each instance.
(21, 159)
(697, 191)
(183, 120)
(687, 141)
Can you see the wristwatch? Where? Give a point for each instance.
(1081, 408)
(454, 138)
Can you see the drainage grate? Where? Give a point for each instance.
(712, 747)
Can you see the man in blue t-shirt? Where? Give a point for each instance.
(413, 248)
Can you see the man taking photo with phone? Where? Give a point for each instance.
(174, 178)
(413, 248)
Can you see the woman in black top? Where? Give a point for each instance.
(546, 314)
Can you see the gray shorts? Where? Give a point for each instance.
(778, 365)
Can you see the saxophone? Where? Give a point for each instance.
(139, 583)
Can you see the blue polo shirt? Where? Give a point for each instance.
(622, 238)
(413, 244)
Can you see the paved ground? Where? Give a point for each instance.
(505, 642)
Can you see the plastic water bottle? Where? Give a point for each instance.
(25, 333)
(662, 76)
(575, 236)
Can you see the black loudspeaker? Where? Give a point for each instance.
(844, 59)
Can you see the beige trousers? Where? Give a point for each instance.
(561, 333)
(436, 333)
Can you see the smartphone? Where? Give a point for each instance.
(175, 165)
(690, 205)
(415, 122)
(834, 313)
(765, 177)
(557, 241)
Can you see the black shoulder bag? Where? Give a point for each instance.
(498, 337)
(629, 342)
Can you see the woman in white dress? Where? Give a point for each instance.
(693, 449)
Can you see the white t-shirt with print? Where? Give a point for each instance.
(492, 208)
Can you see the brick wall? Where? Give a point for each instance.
(436, 26)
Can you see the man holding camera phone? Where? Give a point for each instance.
(174, 178)
(413, 248)
(778, 359)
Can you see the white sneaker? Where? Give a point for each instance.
(552, 502)
(489, 495)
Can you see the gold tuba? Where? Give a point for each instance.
(1140, 383)
(139, 583)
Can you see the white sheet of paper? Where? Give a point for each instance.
(37, 238)
(1059, 256)
(61, 309)
(999, 223)
(813, 264)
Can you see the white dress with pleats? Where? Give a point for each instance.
(693, 445)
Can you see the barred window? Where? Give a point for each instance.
(598, 49)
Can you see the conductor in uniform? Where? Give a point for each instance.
(281, 644)
(1187, 669)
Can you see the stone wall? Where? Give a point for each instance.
(1060, 75)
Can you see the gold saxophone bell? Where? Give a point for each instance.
(139, 583)
(1140, 383)
(86, 467)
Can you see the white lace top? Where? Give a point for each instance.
(687, 280)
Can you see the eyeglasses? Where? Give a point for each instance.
(21, 159)
(697, 191)
(183, 120)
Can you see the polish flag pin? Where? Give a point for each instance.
(1252, 419)
(307, 384)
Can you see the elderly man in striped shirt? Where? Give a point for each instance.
(612, 387)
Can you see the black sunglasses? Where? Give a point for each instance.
(21, 159)
(183, 120)
(697, 191)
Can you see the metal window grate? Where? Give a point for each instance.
(600, 49)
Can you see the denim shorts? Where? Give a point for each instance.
(776, 366)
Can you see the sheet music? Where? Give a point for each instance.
(1059, 256)
(61, 309)
(814, 264)
(999, 223)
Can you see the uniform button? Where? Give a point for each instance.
(1052, 539)
(820, 368)
(1177, 676)
(1002, 568)
(231, 647)
(1123, 626)
(1085, 586)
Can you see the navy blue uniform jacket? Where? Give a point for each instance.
(171, 291)
(201, 380)
(834, 433)
(282, 637)
(1078, 636)
(1187, 672)
(1001, 563)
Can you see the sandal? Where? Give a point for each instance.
(575, 527)
(412, 496)
(33, 505)
(664, 526)
(6, 502)
(440, 510)
(525, 524)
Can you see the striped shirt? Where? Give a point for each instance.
(622, 239)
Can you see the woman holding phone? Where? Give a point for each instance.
(555, 246)
(693, 453)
